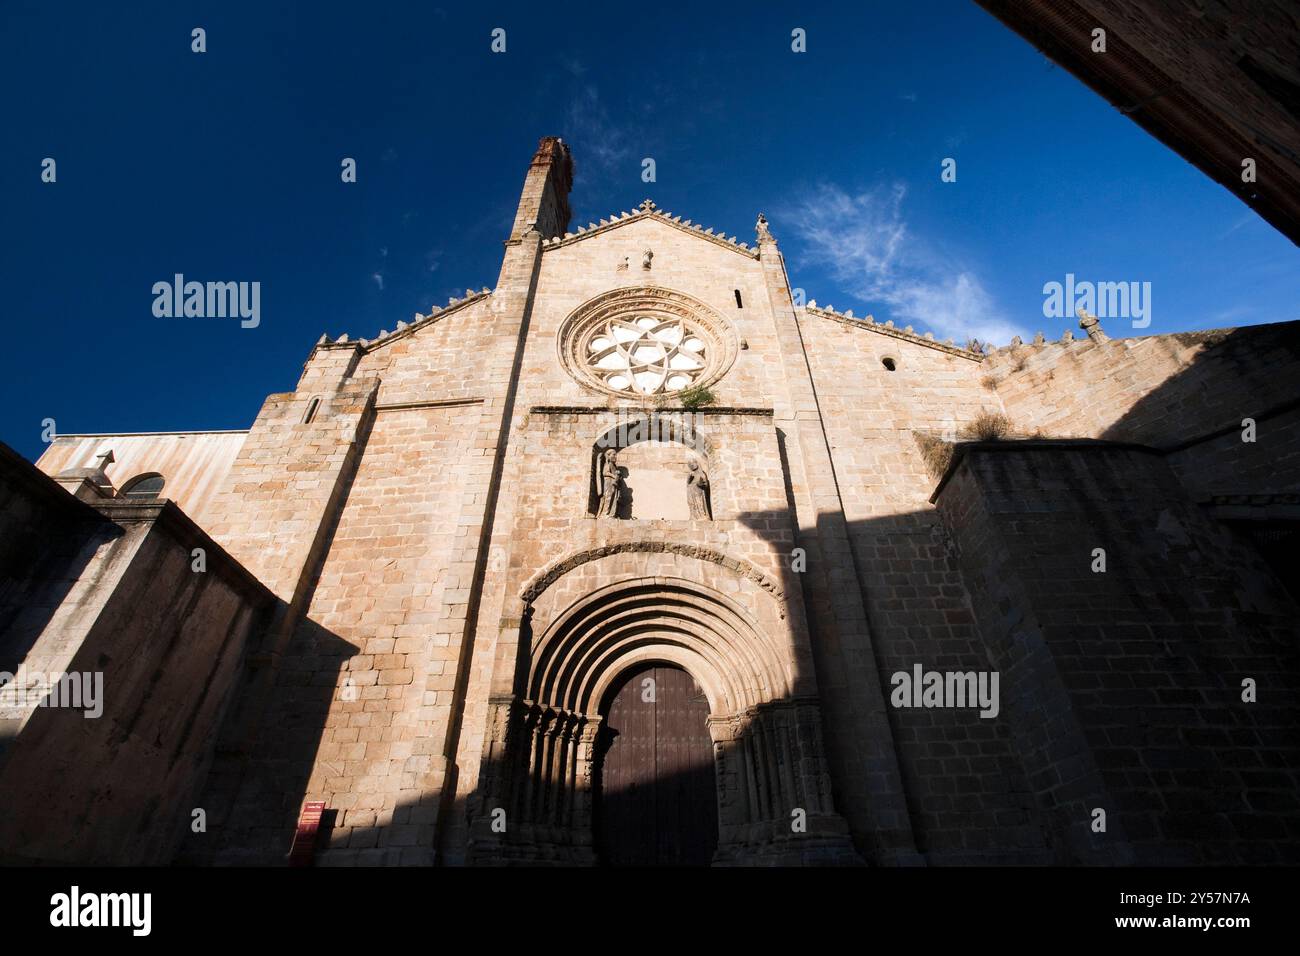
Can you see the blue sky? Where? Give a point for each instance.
(225, 166)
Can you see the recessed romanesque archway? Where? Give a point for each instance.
(542, 746)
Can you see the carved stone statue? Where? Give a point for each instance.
(610, 485)
(646, 258)
(697, 490)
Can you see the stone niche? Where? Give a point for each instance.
(655, 480)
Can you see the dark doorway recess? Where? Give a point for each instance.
(657, 799)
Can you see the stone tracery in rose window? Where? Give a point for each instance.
(647, 354)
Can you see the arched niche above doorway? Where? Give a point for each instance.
(652, 467)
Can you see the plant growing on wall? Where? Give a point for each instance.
(697, 396)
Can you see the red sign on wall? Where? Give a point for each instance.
(304, 840)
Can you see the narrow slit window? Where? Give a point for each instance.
(739, 303)
(311, 411)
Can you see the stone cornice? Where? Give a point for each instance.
(649, 212)
(887, 328)
(405, 328)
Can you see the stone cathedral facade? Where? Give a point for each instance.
(636, 557)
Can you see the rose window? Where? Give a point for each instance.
(643, 342)
(646, 355)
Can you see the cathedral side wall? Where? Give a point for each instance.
(441, 361)
(1158, 390)
(966, 806)
(1125, 686)
(346, 707)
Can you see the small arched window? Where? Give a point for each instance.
(889, 363)
(143, 487)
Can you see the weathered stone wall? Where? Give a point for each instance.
(1160, 390)
(346, 703)
(167, 642)
(966, 790)
(1123, 688)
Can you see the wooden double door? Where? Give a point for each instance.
(657, 800)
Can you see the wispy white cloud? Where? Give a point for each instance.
(598, 139)
(378, 278)
(865, 243)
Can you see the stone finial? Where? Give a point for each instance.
(1015, 341)
(848, 313)
(764, 233)
(323, 340)
(104, 459)
(812, 303)
(1038, 338)
(1068, 336)
(1092, 325)
(647, 205)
